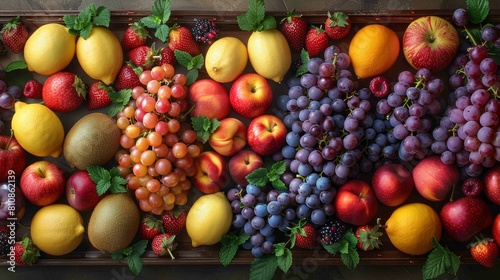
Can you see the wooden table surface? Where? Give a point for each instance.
(308, 269)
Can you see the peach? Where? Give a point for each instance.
(229, 138)
(210, 98)
(211, 172)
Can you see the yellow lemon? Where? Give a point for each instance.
(411, 228)
(208, 219)
(226, 59)
(373, 50)
(49, 49)
(100, 55)
(38, 129)
(57, 229)
(269, 54)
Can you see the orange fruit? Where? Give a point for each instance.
(373, 50)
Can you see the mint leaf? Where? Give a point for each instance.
(263, 268)
(161, 9)
(119, 100)
(160, 14)
(18, 77)
(304, 59)
(258, 177)
(478, 10)
(139, 247)
(278, 168)
(229, 247)
(192, 64)
(269, 23)
(284, 260)
(82, 23)
(198, 61)
(151, 21)
(204, 127)
(16, 65)
(105, 181)
(278, 185)
(350, 259)
(135, 264)
(102, 16)
(255, 19)
(191, 76)
(117, 185)
(162, 32)
(132, 255)
(244, 23)
(440, 260)
(351, 239)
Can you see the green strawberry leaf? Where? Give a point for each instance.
(264, 267)
(478, 10)
(440, 260)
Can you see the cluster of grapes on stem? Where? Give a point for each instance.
(8, 96)
(158, 145)
(469, 133)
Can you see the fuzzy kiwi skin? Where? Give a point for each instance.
(113, 223)
(92, 140)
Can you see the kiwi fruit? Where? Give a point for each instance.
(113, 222)
(92, 140)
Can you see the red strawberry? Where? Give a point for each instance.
(135, 36)
(163, 244)
(368, 237)
(316, 41)
(63, 92)
(484, 251)
(128, 77)
(167, 56)
(304, 235)
(337, 25)
(15, 34)
(294, 28)
(181, 38)
(150, 226)
(25, 252)
(143, 56)
(33, 89)
(98, 96)
(380, 87)
(174, 221)
(4, 240)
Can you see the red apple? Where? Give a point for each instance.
(242, 164)
(495, 229)
(266, 134)
(430, 42)
(434, 179)
(12, 157)
(211, 172)
(356, 203)
(229, 138)
(251, 95)
(492, 184)
(210, 98)
(42, 183)
(81, 191)
(465, 217)
(12, 202)
(392, 184)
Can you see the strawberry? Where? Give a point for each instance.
(135, 36)
(174, 221)
(25, 252)
(150, 226)
(484, 251)
(163, 244)
(379, 86)
(4, 240)
(304, 235)
(97, 95)
(181, 38)
(15, 34)
(143, 56)
(167, 56)
(337, 25)
(316, 41)
(33, 89)
(63, 92)
(368, 237)
(128, 77)
(294, 28)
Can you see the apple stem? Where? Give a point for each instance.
(452, 192)
(10, 139)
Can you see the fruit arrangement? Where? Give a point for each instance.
(173, 136)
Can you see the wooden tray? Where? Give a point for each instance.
(185, 254)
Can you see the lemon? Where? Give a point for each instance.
(37, 129)
(57, 229)
(411, 228)
(269, 54)
(208, 219)
(100, 55)
(49, 49)
(226, 59)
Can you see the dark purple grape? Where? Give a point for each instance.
(460, 17)
(489, 33)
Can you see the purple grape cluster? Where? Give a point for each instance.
(469, 133)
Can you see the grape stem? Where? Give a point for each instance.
(469, 35)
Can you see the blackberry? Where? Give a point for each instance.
(205, 31)
(332, 232)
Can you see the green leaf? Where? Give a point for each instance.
(139, 247)
(82, 23)
(119, 100)
(332, 248)
(18, 77)
(440, 260)
(279, 167)
(351, 258)
(104, 181)
(478, 10)
(151, 21)
(183, 58)
(198, 61)
(229, 247)
(343, 247)
(263, 268)
(351, 238)
(135, 264)
(161, 9)
(278, 185)
(117, 185)
(204, 127)
(244, 23)
(285, 260)
(191, 76)
(118, 255)
(269, 23)
(162, 32)
(16, 65)
(258, 177)
(102, 16)
(255, 18)
(279, 249)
